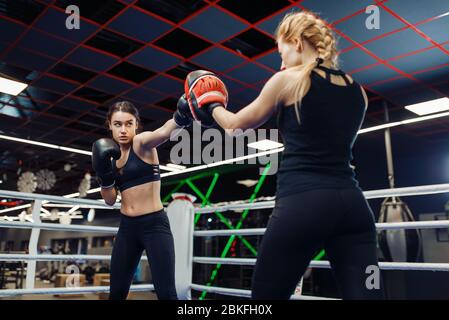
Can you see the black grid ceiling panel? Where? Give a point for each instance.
(68, 71)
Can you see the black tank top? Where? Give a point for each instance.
(135, 172)
(318, 149)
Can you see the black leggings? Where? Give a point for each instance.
(149, 232)
(338, 220)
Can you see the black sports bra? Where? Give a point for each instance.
(135, 172)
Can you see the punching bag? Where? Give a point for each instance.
(401, 245)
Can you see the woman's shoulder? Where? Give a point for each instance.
(139, 147)
(279, 79)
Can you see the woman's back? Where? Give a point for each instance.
(318, 150)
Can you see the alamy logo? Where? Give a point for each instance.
(73, 280)
(73, 20)
(373, 280)
(373, 20)
(211, 145)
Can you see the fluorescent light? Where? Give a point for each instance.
(9, 111)
(162, 167)
(429, 107)
(408, 121)
(16, 208)
(11, 87)
(54, 146)
(418, 119)
(47, 145)
(249, 156)
(265, 145)
(89, 153)
(200, 167)
(380, 127)
(175, 166)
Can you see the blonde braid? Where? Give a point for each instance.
(327, 47)
(315, 31)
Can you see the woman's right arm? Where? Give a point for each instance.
(257, 112)
(152, 139)
(181, 118)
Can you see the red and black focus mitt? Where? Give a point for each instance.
(204, 92)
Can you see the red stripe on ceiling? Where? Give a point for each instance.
(367, 67)
(347, 17)
(422, 34)
(27, 29)
(13, 45)
(384, 62)
(44, 111)
(169, 53)
(333, 24)
(121, 59)
(152, 14)
(189, 17)
(376, 38)
(413, 73)
(432, 68)
(55, 116)
(383, 81)
(412, 53)
(364, 49)
(250, 26)
(13, 21)
(396, 31)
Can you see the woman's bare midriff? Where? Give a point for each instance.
(141, 199)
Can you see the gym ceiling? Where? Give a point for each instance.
(141, 51)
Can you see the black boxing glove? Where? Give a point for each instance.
(102, 152)
(182, 115)
(205, 91)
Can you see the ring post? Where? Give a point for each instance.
(32, 247)
(181, 215)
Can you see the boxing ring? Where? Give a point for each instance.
(181, 213)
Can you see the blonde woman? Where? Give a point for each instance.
(318, 201)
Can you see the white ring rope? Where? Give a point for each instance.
(325, 264)
(55, 257)
(207, 233)
(373, 194)
(440, 224)
(55, 199)
(408, 191)
(70, 290)
(247, 293)
(382, 193)
(229, 261)
(57, 226)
